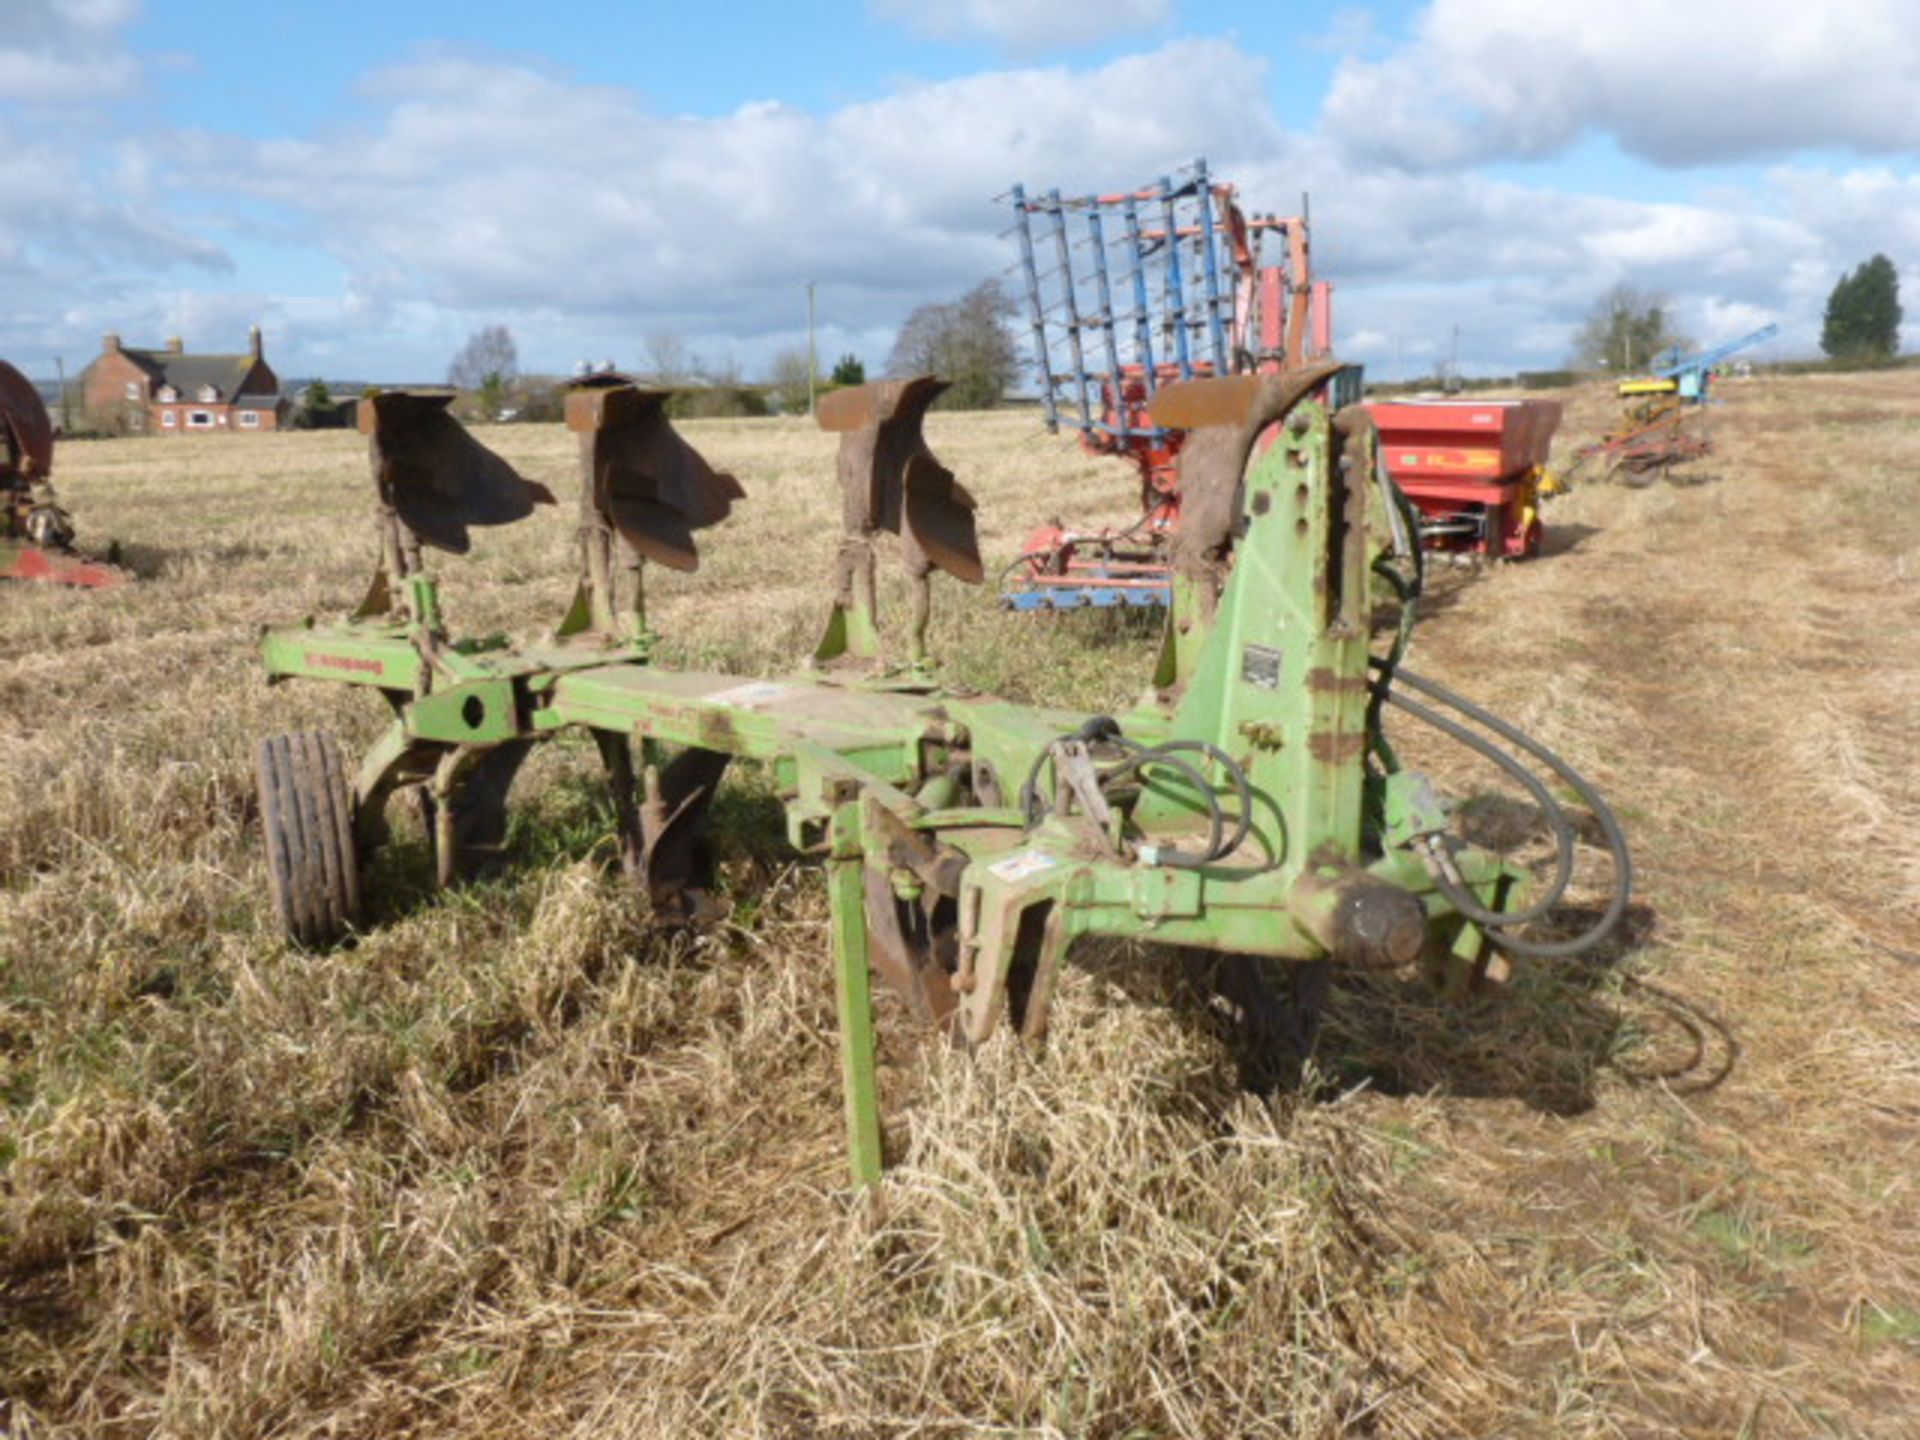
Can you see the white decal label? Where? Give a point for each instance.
(753, 694)
(1019, 867)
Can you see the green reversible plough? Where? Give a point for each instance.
(1250, 805)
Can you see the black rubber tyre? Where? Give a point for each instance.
(306, 814)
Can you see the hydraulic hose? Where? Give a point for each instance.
(1219, 846)
(1136, 758)
(1556, 819)
(1616, 841)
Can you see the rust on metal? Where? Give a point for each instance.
(1359, 918)
(1243, 401)
(891, 481)
(1324, 680)
(435, 476)
(1199, 404)
(676, 855)
(654, 488)
(1224, 418)
(36, 533)
(1336, 749)
(28, 428)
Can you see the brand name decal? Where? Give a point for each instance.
(318, 660)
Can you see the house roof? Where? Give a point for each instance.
(188, 373)
(259, 401)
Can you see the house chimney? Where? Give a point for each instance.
(110, 344)
(253, 341)
(175, 345)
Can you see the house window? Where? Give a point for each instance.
(133, 389)
(168, 395)
(249, 419)
(199, 419)
(166, 418)
(208, 393)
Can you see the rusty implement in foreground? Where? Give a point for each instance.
(36, 534)
(1250, 806)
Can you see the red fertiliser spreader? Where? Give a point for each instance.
(1475, 469)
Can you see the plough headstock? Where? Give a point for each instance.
(890, 480)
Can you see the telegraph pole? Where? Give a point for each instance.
(813, 362)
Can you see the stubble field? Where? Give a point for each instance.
(511, 1166)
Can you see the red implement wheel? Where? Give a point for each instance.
(306, 815)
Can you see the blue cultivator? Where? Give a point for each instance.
(1128, 293)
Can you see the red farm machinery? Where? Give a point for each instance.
(36, 534)
(1474, 469)
(1128, 293)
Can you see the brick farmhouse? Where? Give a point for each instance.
(169, 392)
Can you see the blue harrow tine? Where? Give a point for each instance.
(1176, 293)
(1142, 321)
(1040, 355)
(1072, 306)
(1105, 291)
(1217, 330)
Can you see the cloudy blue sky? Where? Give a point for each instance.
(370, 180)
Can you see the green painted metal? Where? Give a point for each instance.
(846, 883)
(912, 795)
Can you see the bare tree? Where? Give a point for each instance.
(965, 342)
(1625, 330)
(488, 353)
(668, 360)
(787, 381)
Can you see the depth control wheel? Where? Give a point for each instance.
(306, 815)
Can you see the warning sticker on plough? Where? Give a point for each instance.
(753, 695)
(1019, 867)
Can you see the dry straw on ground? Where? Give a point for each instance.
(511, 1167)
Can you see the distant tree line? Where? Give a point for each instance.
(967, 342)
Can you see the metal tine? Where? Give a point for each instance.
(1041, 353)
(1142, 330)
(1072, 310)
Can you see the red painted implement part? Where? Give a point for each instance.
(36, 535)
(32, 562)
(1641, 454)
(1472, 468)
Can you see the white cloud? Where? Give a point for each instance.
(1676, 83)
(496, 191)
(1026, 27)
(65, 53)
(80, 236)
(475, 191)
